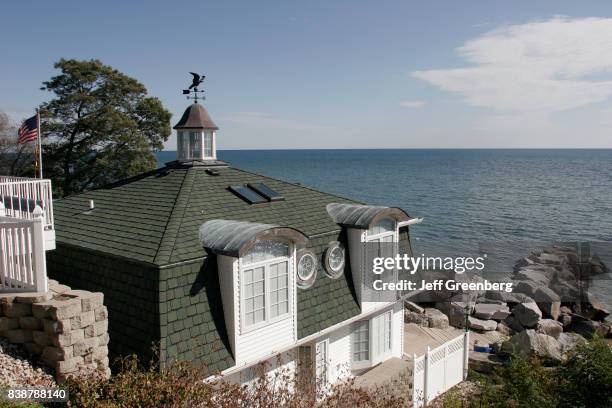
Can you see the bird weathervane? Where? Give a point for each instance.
(193, 88)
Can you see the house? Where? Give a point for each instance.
(229, 269)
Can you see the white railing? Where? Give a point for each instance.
(22, 254)
(439, 369)
(20, 195)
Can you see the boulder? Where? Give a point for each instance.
(529, 343)
(481, 325)
(412, 307)
(455, 311)
(522, 263)
(569, 341)
(484, 362)
(504, 329)
(436, 318)
(594, 309)
(548, 302)
(528, 287)
(551, 259)
(513, 323)
(565, 320)
(551, 327)
(527, 314)
(494, 311)
(416, 318)
(587, 328)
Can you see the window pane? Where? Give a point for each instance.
(384, 225)
(361, 349)
(208, 143)
(279, 291)
(265, 250)
(194, 144)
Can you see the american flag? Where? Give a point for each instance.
(28, 130)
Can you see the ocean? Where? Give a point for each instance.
(500, 202)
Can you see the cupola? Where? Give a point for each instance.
(196, 135)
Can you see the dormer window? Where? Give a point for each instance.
(265, 289)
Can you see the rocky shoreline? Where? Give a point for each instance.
(549, 312)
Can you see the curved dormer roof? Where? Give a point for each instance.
(363, 216)
(196, 117)
(234, 238)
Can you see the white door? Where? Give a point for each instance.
(322, 362)
(381, 337)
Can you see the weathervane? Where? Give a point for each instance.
(197, 80)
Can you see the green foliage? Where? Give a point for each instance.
(101, 126)
(585, 380)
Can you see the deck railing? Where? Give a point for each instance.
(22, 253)
(19, 196)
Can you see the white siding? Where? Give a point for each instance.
(227, 285)
(340, 354)
(262, 342)
(282, 364)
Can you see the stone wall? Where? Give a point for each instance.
(67, 329)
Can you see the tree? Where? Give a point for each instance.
(100, 127)
(15, 159)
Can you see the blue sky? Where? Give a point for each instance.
(340, 74)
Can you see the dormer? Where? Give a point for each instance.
(258, 272)
(372, 231)
(196, 135)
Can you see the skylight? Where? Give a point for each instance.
(266, 191)
(247, 194)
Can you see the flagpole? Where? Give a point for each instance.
(40, 174)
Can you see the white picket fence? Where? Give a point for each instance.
(439, 369)
(22, 253)
(20, 195)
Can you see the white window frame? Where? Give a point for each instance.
(395, 234)
(290, 259)
(373, 331)
(322, 382)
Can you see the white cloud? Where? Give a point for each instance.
(412, 104)
(540, 66)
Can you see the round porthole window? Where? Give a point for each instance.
(334, 260)
(306, 269)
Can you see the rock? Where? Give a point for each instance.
(565, 320)
(8, 323)
(416, 318)
(102, 312)
(548, 302)
(522, 263)
(90, 300)
(481, 325)
(455, 311)
(594, 309)
(413, 307)
(565, 310)
(19, 336)
(513, 323)
(587, 328)
(551, 327)
(569, 341)
(435, 318)
(549, 258)
(527, 314)
(484, 362)
(529, 343)
(528, 287)
(504, 329)
(488, 311)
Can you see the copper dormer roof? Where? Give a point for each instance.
(195, 117)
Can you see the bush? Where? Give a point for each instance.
(182, 385)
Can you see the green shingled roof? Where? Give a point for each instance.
(155, 217)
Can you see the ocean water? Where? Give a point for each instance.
(502, 202)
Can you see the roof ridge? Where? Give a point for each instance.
(299, 185)
(166, 247)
